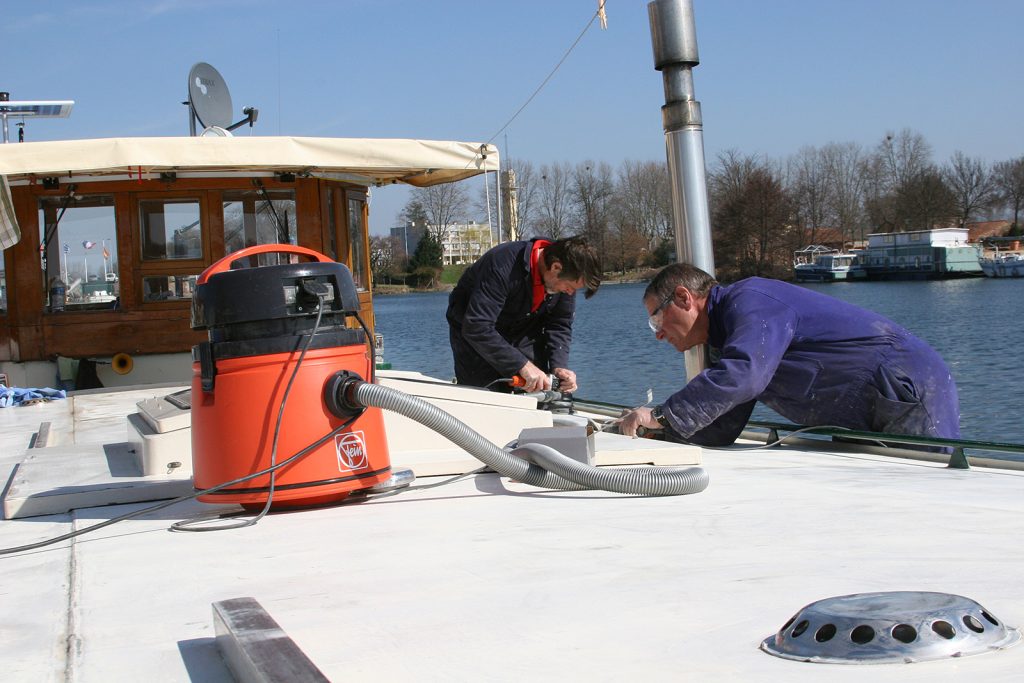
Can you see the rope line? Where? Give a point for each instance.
(540, 87)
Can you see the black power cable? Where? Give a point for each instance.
(274, 467)
(189, 524)
(160, 506)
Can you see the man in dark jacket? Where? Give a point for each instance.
(813, 359)
(511, 312)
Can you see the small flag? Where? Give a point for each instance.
(67, 248)
(601, 14)
(106, 254)
(88, 245)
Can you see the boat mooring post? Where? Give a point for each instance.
(674, 39)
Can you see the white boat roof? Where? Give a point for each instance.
(488, 579)
(372, 161)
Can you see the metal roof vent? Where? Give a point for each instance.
(880, 628)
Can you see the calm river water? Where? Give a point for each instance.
(976, 324)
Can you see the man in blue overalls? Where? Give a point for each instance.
(511, 312)
(813, 359)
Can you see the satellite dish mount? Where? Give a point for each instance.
(209, 101)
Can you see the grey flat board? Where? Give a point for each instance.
(64, 478)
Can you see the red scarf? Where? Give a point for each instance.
(538, 283)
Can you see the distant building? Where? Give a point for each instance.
(982, 229)
(462, 242)
(408, 237)
(466, 242)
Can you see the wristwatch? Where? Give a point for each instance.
(658, 415)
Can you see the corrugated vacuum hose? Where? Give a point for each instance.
(544, 466)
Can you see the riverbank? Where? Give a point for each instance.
(629, 277)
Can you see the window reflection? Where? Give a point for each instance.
(78, 250)
(171, 229)
(168, 288)
(253, 217)
(357, 238)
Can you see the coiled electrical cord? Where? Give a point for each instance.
(188, 525)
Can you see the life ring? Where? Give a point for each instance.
(122, 363)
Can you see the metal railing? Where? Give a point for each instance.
(957, 456)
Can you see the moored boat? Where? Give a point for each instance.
(1003, 264)
(937, 254)
(829, 266)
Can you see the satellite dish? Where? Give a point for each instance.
(215, 132)
(208, 96)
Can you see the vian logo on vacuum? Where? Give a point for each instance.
(351, 450)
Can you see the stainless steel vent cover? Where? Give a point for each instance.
(879, 628)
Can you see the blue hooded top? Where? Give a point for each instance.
(815, 360)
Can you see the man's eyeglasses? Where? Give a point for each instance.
(655, 319)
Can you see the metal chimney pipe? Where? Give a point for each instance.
(674, 39)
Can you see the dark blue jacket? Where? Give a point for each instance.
(492, 331)
(815, 360)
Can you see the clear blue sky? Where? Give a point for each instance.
(775, 75)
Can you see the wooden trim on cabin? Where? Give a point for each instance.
(28, 331)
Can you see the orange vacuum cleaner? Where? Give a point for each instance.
(258, 320)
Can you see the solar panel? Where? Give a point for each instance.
(56, 109)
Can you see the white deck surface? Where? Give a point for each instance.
(484, 579)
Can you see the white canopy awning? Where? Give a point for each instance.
(371, 161)
(377, 161)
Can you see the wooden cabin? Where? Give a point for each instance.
(103, 239)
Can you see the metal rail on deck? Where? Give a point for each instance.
(958, 459)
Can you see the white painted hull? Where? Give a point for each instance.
(1002, 267)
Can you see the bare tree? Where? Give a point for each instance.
(441, 205)
(1009, 182)
(811, 187)
(592, 187)
(554, 202)
(644, 200)
(928, 201)
(750, 217)
(906, 191)
(880, 201)
(971, 183)
(905, 155)
(625, 246)
(845, 162)
(525, 197)
(731, 172)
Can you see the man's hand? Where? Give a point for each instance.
(566, 379)
(536, 379)
(638, 417)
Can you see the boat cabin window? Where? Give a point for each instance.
(357, 238)
(78, 252)
(171, 229)
(174, 245)
(253, 217)
(346, 233)
(168, 287)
